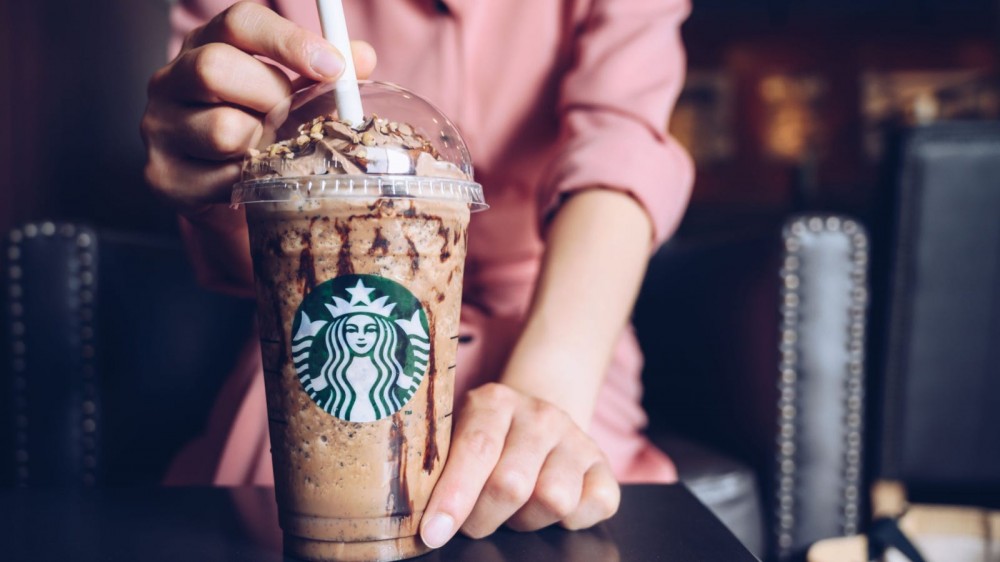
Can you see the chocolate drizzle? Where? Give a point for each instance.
(431, 454)
(307, 269)
(445, 233)
(398, 503)
(277, 324)
(413, 254)
(380, 245)
(279, 331)
(344, 265)
(274, 245)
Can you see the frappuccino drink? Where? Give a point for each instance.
(358, 237)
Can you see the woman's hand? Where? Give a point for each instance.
(518, 460)
(519, 454)
(206, 107)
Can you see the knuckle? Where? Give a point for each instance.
(480, 443)
(238, 16)
(297, 47)
(209, 65)
(557, 501)
(157, 81)
(228, 131)
(548, 415)
(291, 43)
(510, 487)
(606, 498)
(156, 174)
(491, 394)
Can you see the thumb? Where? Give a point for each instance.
(258, 30)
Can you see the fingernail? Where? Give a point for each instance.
(327, 62)
(437, 530)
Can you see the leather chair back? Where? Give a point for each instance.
(941, 394)
(116, 355)
(755, 343)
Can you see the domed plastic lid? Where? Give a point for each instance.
(404, 148)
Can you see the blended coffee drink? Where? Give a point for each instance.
(358, 239)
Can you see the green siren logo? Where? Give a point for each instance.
(361, 347)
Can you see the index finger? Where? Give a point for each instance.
(475, 449)
(258, 30)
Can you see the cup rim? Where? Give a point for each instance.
(302, 188)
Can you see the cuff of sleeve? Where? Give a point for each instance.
(611, 151)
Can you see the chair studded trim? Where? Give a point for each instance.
(815, 296)
(16, 329)
(25, 244)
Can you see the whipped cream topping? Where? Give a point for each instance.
(327, 145)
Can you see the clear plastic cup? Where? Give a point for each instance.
(358, 264)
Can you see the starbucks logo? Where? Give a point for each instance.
(361, 347)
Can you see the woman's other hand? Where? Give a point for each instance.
(206, 107)
(522, 461)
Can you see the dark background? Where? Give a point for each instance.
(74, 82)
(782, 124)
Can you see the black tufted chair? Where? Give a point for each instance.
(115, 355)
(940, 428)
(752, 343)
(934, 389)
(754, 346)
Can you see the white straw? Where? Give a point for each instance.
(346, 94)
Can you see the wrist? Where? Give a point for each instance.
(559, 374)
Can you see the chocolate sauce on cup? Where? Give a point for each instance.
(358, 238)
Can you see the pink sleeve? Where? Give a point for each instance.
(614, 105)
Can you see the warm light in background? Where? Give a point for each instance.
(793, 124)
(922, 97)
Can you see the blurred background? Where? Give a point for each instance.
(74, 90)
(790, 104)
(787, 103)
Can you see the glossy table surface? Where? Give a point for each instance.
(655, 522)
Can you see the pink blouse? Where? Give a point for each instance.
(551, 97)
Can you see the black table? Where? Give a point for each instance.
(240, 524)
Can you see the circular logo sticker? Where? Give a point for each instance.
(360, 347)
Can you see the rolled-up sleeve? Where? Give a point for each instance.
(614, 106)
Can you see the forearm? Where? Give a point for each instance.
(597, 249)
